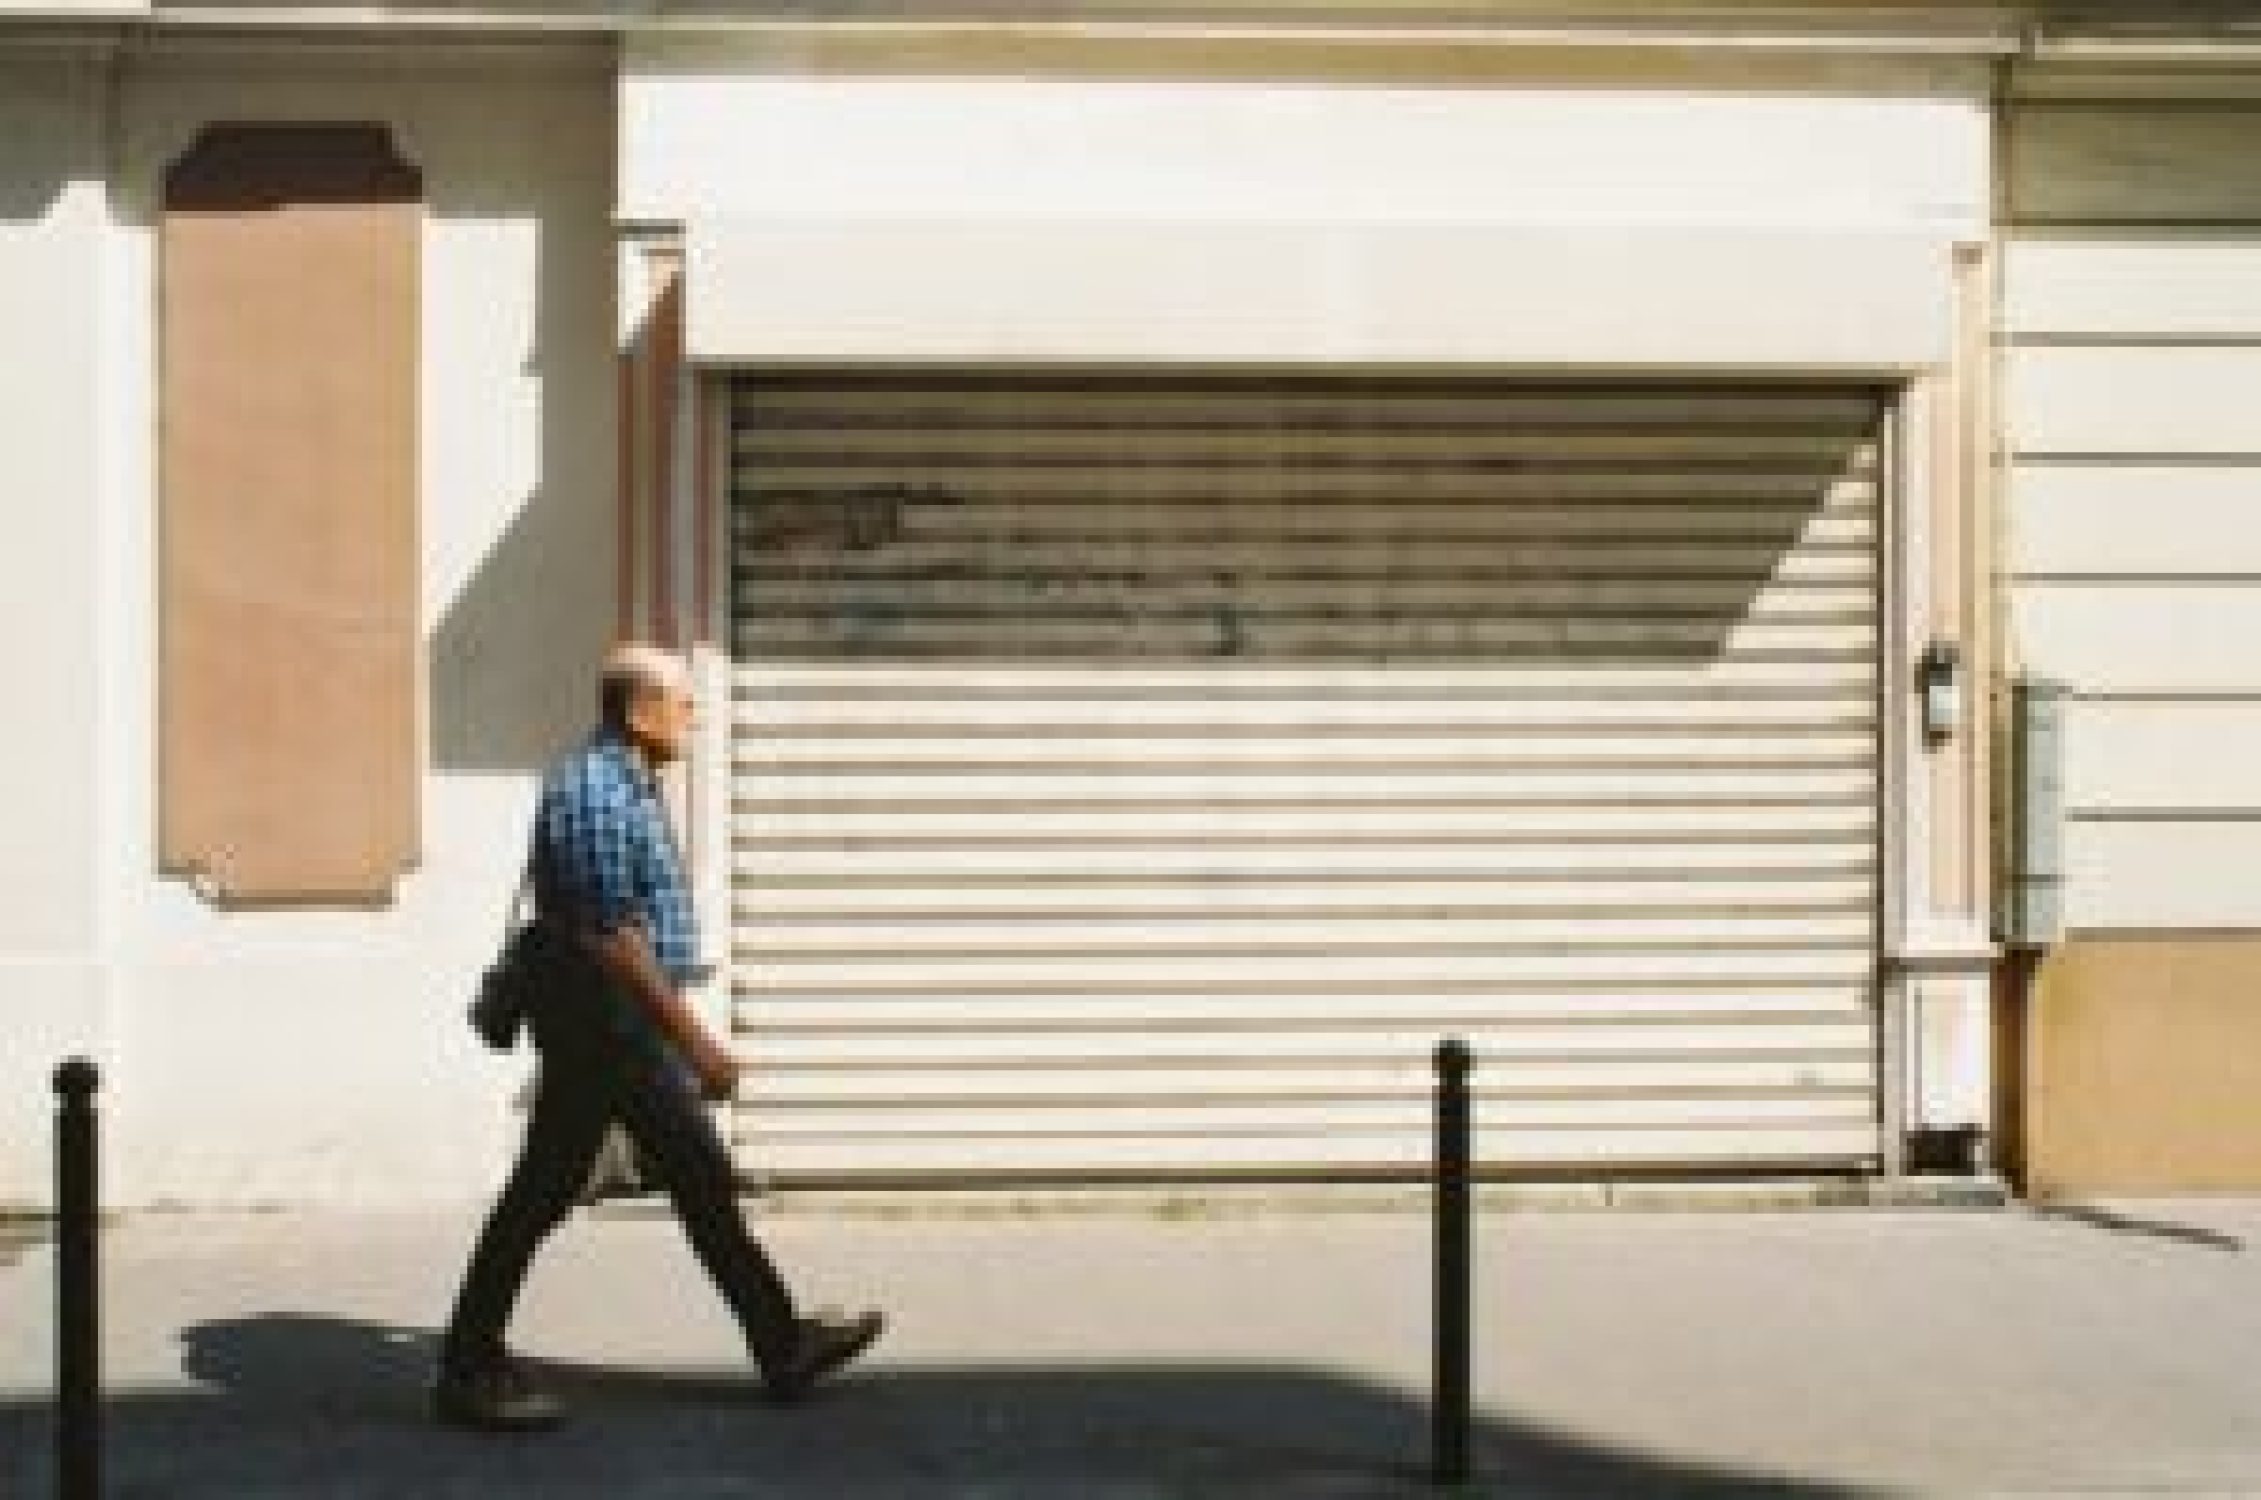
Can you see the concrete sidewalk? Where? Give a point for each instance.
(1165, 1351)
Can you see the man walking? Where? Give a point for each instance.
(619, 1044)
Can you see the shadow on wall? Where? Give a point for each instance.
(512, 658)
(46, 143)
(1306, 520)
(296, 1403)
(27, 198)
(512, 655)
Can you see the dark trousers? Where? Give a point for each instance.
(601, 1066)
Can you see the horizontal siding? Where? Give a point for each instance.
(2135, 402)
(1142, 774)
(2203, 285)
(2132, 299)
(2114, 164)
(2153, 757)
(2157, 636)
(2187, 873)
(2135, 521)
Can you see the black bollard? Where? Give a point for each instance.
(1449, 1420)
(78, 1311)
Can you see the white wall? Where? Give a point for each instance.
(320, 1056)
(1257, 209)
(302, 1056)
(52, 243)
(783, 137)
(2132, 305)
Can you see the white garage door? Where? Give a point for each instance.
(1139, 775)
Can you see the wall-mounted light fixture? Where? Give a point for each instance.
(1939, 673)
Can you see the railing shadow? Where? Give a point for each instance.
(295, 1403)
(2140, 1227)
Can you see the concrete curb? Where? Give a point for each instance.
(1209, 1202)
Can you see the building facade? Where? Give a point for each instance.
(1221, 548)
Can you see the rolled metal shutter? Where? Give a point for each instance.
(1137, 775)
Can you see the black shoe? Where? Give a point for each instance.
(494, 1398)
(825, 1344)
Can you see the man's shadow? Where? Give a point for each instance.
(339, 1406)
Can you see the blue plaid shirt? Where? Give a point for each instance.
(605, 854)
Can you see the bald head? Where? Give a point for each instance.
(635, 675)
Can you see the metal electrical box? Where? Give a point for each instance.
(2033, 911)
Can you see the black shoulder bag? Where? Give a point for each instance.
(511, 985)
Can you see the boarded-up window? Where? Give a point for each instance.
(288, 452)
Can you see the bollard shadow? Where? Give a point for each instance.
(21, 1233)
(305, 1404)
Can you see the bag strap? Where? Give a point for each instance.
(520, 912)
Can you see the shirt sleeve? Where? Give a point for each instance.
(589, 828)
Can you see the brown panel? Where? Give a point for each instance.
(288, 451)
(2146, 1066)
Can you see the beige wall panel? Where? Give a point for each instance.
(53, 234)
(2136, 638)
(2146, 1065)
(2119, 284)
(2119, 163)
(2134, 401)
(2124, 755)
(2176, 873)
(289, 753)
(2123, 519)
